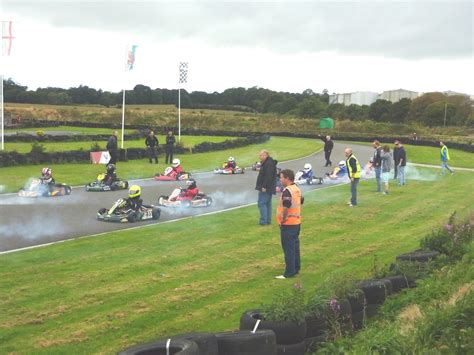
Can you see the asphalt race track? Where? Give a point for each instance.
(34, 221)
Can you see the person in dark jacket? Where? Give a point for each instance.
(169, 147)
(266, 186)
(396, 159)
(112, 147)
(328, 146)
(401, 162)
(151, 143)
(377, 163)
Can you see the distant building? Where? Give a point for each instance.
(357, 98)
(396, 95)
(453, 93)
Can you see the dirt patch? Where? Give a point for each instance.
(460, 293)
(408, 316)
(75, 337)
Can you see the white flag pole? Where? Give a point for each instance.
(2, 112)
(179, 114)
(123, 116)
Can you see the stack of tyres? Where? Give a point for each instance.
(358, 304)
(316, 331)
(289, 336)
(375, 292)
(262, 342)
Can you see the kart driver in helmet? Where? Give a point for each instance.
(307, 171)
(176, 168)
(231, 163)
(134, 201)
(110, 175)
(190, 191)
(47, 178)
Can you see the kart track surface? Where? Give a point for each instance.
(28, 222)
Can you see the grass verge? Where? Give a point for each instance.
(281, 148)
(99, 295)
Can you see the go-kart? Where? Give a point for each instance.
(119, 213)
(256, 166)
(36, 188)
(299, 180)
(100, 185)
(174, 200)
(229, 171)
(169, 176)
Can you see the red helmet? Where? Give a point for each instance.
(46, 172)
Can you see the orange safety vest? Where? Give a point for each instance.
(294, 212)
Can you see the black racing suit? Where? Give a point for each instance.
(135, 203)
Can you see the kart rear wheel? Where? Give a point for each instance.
(67, 190)
(185, 203)
(208, 202)
(161, 200)
(125, 185)
(156, 213)
(132, 218)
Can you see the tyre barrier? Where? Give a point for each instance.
(388, 286)
(262, 342)
(399, 282)
(285, 332)
(164, 347)
(358, 319)
(357, 301)
(292, 349)
(345, 314)
(312, 343)
(206, 342)
(375, 291)
(421, 256)
(372, 309)
(315, 325)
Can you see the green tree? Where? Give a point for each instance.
(379, 110)
(434, 113)
(419, 105)
(399, 111)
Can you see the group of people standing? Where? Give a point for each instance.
(151, 144)
(382, 161)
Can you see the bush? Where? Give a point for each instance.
(286, 307)
(40, 133)
(95, 147)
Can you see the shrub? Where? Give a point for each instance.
(95, 147)
(40, 133)
(37, 148)
(286, 307)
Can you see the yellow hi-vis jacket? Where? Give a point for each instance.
(355, 175)
(294, 212)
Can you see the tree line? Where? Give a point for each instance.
(429, 109)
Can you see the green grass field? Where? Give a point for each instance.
(101, 294)
(188, 141)
(12, 178)
(431, 155)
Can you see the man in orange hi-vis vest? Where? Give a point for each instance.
(289, 219)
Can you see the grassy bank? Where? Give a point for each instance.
(12, 178)
(187, 141)
(73, 129)
(101, 294)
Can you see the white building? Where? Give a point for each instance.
(357, 98)
(397, 95)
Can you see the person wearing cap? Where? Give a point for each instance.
(151, 143)
(112, 147)
(288, 216)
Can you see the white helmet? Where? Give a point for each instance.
(342, 163)
(307, 167)
(176, 163)
(231, 159)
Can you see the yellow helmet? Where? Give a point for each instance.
(134, 191)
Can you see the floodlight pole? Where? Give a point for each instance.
(179, 114)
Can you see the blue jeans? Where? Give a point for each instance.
(354, 192)
(401, 175)
(290, 243)
(265, 207)
(444, 166)
(378, 173)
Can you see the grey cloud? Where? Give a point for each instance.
(407, 30)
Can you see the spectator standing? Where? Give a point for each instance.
(353, 171)
(112, 147)
(402, 162)
(377, 163)
(396, 159)
(387, 158)
(169, 147)
(328, 147)
(151, 143)
(444, 159)
(266, 186)
(288, 216)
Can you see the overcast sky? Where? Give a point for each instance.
(281, 45)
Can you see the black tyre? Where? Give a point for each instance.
(312, 343)
(102, 211)
(422, 256)
(399, 282)
(262, 342)
(185, 204)
(67, 190)
(372, 309)
(285, 332)
(374, 291)
(292, 349)
(315, 325)
(156, 213)
(206, 342)
(388, 286)
(125, 185)
(132, 217)
(358, 320)
(357, 301)
(177, 346)
(208, 201)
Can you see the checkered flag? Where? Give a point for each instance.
(183, 72)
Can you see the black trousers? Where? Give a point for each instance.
(113, 157)
(152, 154)
(395, 170)
(327, 156)
(169, 154)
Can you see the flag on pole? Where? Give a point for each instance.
(7, 37)
(183, 72)
(131, 57)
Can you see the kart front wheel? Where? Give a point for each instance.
(67, 190)
(132, 218)
(208, 201)
(161, 200)
(156, 213)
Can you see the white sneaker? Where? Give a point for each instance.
(280, 277)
